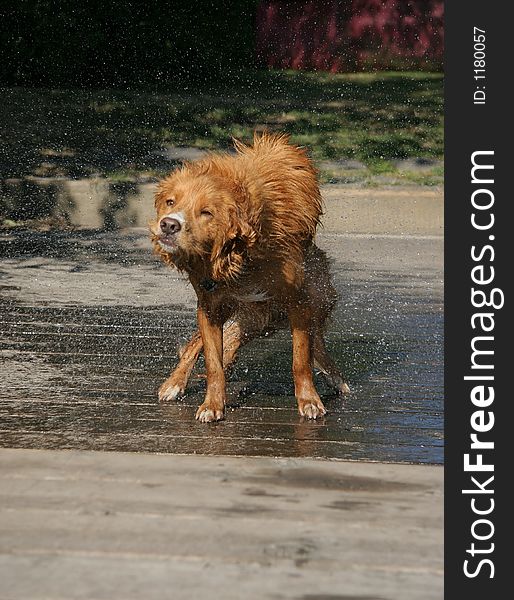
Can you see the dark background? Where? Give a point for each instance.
(123, 43)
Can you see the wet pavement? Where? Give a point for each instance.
(90, 323)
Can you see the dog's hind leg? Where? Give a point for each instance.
(176, 383)
(233, 338)
(246, 324)
(302, 330)
(325, 364)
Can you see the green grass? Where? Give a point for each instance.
(374, 118)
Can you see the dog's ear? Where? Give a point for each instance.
(231, 247)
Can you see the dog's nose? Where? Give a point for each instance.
(169, 225)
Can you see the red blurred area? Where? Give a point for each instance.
(352, 35)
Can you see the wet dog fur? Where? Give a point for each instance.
(241, 226)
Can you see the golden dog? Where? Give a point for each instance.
(242, 227)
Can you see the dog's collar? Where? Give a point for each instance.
(209, 285)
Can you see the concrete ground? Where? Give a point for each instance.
(89, 327)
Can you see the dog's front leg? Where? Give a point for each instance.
(309, 402)
(210, 324)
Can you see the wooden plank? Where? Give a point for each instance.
(121, 423)
(204, 444)
(113, 526)
(93, 407)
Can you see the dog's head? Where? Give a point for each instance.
(201, 221)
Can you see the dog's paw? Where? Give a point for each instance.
(207, 414)
(338, 384)
(170, 390)
(312, 409)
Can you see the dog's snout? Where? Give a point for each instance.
(169, 225)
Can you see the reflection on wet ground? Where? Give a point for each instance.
(90, 323)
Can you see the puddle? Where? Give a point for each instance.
(90, 323)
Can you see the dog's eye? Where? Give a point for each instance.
(170, 202)
(206, 213)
